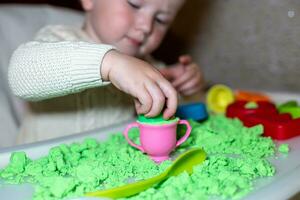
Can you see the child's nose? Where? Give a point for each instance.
(145, 23)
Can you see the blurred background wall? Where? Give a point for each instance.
(251, 44)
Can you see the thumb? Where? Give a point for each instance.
(185, 59)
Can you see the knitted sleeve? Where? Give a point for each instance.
(41, 70)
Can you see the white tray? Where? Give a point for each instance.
(39, 149)
(283, 185)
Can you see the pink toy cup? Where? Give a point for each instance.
(158, 141)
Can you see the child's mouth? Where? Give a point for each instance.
(134, 42)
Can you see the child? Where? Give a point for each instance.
(78, 79)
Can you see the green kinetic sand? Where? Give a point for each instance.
(158, 120)
(251, 105)
(236, 157)
(284, 148)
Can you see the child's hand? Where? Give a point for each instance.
(151, 90)
(185, 76)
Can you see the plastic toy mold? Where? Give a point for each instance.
(291, 107)
(194, 111)
(278, 126)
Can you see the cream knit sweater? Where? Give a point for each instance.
(59, 74)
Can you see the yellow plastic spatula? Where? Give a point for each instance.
(184, 162)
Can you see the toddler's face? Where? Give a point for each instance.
(135, 27)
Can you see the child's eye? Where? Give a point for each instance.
(160, 21)
(133, 5)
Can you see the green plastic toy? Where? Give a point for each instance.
(291, 107)
(184, 162)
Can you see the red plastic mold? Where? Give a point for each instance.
(278, 126)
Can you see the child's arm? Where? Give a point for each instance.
(46, 69)
(43, 70)
(56, 63)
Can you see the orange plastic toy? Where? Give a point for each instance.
(242, 95)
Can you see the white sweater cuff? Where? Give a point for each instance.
(85, 70)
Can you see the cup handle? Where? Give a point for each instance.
(187, 133)
(125, 133)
